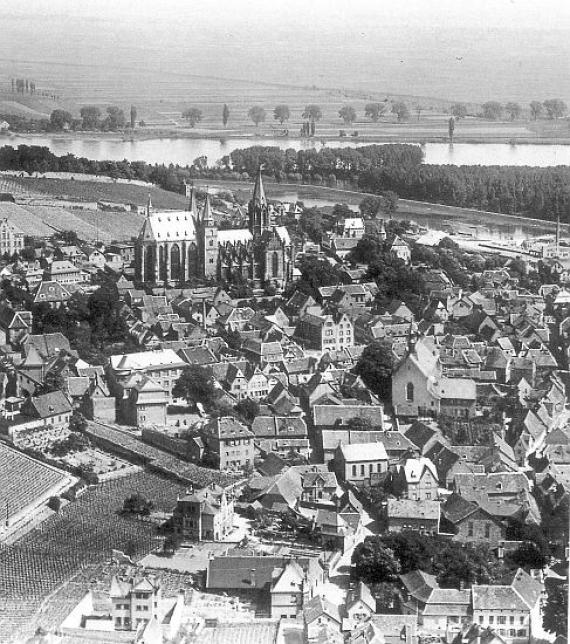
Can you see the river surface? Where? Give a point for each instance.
(183, 151)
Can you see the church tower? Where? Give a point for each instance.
(208, 241)
(258, 210)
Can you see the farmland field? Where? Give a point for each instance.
(81, 536)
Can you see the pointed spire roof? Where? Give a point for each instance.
(208, 215)
(258, 190)
(148, 205)
(193, 205)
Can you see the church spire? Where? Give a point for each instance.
(207, 214)
(148, 205)
(258, 190)
(193, 203)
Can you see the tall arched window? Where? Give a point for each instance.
(410, 392)
(275, 265)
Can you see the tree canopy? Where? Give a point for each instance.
(196, 384)
(256, 114)
(459, 110)
(492, 110)
(348, 114)
(401, 110)
(60, 118)
(375, 368)
(312, 112)
(193, 115)
(555, 108)
(373, 111)
(281, 113)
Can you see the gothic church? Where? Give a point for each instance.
(175, 246)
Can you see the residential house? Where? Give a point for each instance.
(11, 237)
(145, 401)
(416, 479)
(472, 523)
(286, 585)
(52, 293)
(63, 272)
(319, 615)
(230, 443)
(281, 435)
(419, 515)
(318, 485)
(325, 332)
(440, 612)
(400, 249)
(163, 366)
(204, 515)
(512, 610)
(39, 420)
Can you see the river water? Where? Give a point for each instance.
(184, 151)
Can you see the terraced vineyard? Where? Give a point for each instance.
(82, 535)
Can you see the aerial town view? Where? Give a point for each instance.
(284, 322)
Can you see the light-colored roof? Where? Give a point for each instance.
(414, 468)
(364, 452)
(410, 509)
(146, 360)
(234, 236)
(169, 226)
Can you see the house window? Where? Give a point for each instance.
(502, 619)
(410, 392)
(470, 529)
(487, 530)
(354, 470)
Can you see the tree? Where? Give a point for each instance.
(137, 504)
(492, 110)
(193, 115)
(59, 119)
(528, 555)
(373, 111)
(281, 113)
(400, 109)
(459, 110)
(348, 114)
(370, 205)
(115, 118)
(312, 112)
(418, 108)
(257, 114)
(248, 409)
(513, 110)
(196, 384)
(133, 116)
(375, 563)
(90, 117)
(225, 114)
(554, 617)
(375, 368)
(536, 109)
(555, 108)
(68, 236)
(54, 503)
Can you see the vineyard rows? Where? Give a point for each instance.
(82, 535)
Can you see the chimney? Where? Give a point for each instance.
(252, 577)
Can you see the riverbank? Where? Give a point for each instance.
(474, 131)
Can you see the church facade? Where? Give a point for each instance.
(176, 246)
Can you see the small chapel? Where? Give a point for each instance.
(176, 246)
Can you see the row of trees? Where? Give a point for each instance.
(553, 108)
(23, 86)
(91, 118)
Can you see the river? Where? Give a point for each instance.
(183, 151)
